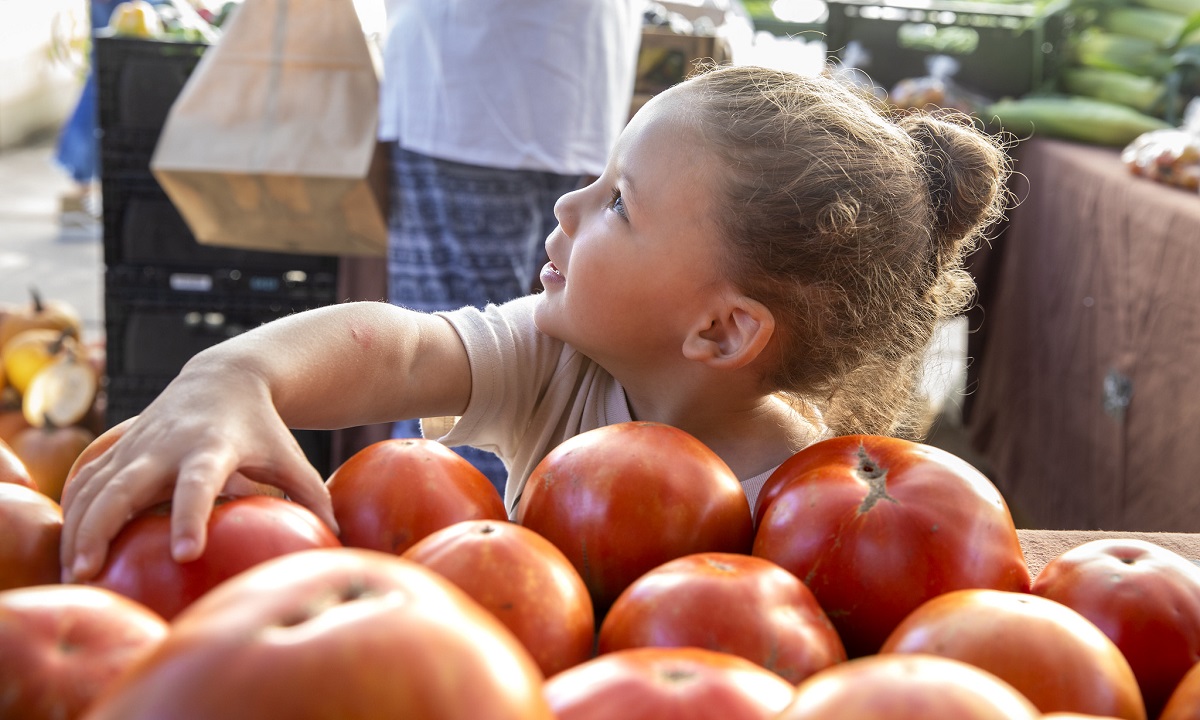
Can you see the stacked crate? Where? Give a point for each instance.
(167, 297)
(1005, 48)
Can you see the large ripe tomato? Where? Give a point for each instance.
(1144, 597)
(667, 684)
(61, 645)
(523, 580)
(1056, 657)
(875, 526)
(341, 633)
(907, 687)
(394, 492)
(1184, 703)
(626, 498)
(738, 604)
(30, 529)
(12, 470)
(242, 532)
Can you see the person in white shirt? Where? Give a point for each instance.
(494, 109)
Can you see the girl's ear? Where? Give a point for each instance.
(733, 337)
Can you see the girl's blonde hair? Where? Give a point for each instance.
(851, 225)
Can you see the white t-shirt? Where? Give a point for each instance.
(514, 84)
(529, 393)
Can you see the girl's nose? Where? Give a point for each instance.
(565, 211)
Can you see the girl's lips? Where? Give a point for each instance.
(551, 276)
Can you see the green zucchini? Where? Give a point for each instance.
(1094, 47)
(1144, 94)
(1081, 119)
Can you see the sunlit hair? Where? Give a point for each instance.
(851, 224)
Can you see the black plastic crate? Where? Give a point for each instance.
(281, 289)
(127, 151)
(129, 395)
(156, 319)
(138, 80)
(157, 338)
(1002, 49)
(143, 227)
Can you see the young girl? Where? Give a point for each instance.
(762, 264)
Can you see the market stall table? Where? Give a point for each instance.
(1084, 399)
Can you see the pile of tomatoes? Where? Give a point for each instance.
(873, 578)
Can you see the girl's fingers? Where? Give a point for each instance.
(97, 513)
(145, 467)
(307, 487)
(300, 481)
(201, 477)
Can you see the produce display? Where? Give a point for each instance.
(242, 532)
(737, 604)
(62, 645)
(522, 579)
(883, 579)
(51, 402)
(393, 493)
(907, 687)
(1130, 67)
(1103, 71)
(1054, 656)
(617, 516)
(175, 20)
(876, 526)
(333, 633)
(1145, 598)
(651, 683)
(1171, 155)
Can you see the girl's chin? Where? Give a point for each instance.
(543, 315)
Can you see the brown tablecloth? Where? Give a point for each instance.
(1086, 347)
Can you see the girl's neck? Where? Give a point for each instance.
(752, 434)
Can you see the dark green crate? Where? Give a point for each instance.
(1003, 50)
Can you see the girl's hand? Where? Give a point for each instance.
(202, 434)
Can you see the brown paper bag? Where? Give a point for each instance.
(271, 144)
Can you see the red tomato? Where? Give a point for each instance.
(1184, 703)
(667, 684)
(12, 470)
(1144, 597)
(242, 532)
(1053, 655)
(626, 498)
(394, 492)
(875, 526)
(61, 645)
(523, 580)
(338, 633)
(738, 604)
(907, 687)
(30, 529)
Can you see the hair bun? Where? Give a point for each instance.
(965, 171)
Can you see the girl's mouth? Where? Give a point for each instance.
(551, 275)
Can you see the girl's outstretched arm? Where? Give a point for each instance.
(229, 410)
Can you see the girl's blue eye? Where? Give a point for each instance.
(616, 203)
